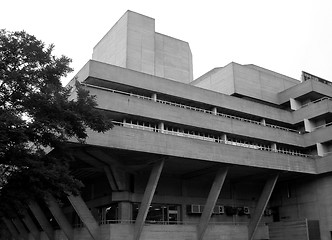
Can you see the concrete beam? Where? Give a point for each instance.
(85, 215)
(211, 202)
(147, 198)
(261, 205)
(42, 220)
(20, 227)
(11, 228)
(31, 226)
(60, 217)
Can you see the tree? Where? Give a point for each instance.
(36, 113)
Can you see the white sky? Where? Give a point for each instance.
(286, 36)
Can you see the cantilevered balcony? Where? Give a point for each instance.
(146, 140)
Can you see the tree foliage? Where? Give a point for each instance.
(36, 113)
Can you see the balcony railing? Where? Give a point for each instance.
(210, 139)
(324, 125)
(103, 222)
(316, 101)
(195, 109)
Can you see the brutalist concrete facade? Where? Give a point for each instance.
(240, 153)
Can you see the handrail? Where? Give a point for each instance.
(193, 108)
(324, 125)
(327, 153)
(316, 101)
(210, 139)
(103, 222)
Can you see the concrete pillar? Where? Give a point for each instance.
(125, 212)
(147, 198)
(60, 217)
(295, 104)
(261, 205)
(321, 149)
(42, 220)
(223, 138)
(263, 122)
(154, 97)
(161, 127)
(31, 226)
(11, 228)
(110, 178)
(117, 178)
(308, 125)
(274, 147)
(20, 227)
(214, 111)
(85, 215)
(211, 202)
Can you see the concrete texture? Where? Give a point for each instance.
(133, 43)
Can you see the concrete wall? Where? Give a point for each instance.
(260, 84)
(173, 59)
(132, 43)
(112, 48)
(140, 43)
(218, 79)
(309, 198)
(247, 80)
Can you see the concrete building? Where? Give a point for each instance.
(240, 153)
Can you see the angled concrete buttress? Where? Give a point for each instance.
(11, 228)
(60, 217)
(85, 215)
(110, 178)
(42, 220)
(147, 198)
(31, 226)
(211, 202)
(261, 205)
(20, 227)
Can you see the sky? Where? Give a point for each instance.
(285, 36)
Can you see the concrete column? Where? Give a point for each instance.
(263, 122)
(125, 212)
(85, 215)
(211, 202)
(117, 178)
(60, 218)
(21, 229)
(223, 137)
(308, 125)
(110, 178)
(154, 97)
(274, 147)
(161, 127)
(261, 205)
(147, 198)
(214, 111)
(321, 149)
(11, 228)
(31, 226)
(295, 104)
(42, 220)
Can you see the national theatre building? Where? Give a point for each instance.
(239, 153)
